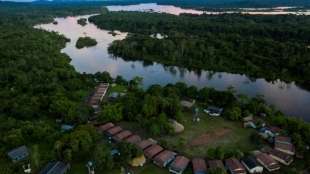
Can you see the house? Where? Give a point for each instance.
(164, 158)
(121, 136)
(176, 126)
(133, 139)
(214, 111)
(105, 127)
(268, 162)
(18, 154)
(188, 103)
(234, 166)
(66, 127)
(283, 140)
(280, 156)
(215, 164)
(251, 165)
(145, 144)
(179, 165)
(95, 99)
(152, 151)
(266, 133)
(248, 118)
(199, 166)
(113, 131)
(286, 148)
(57, 167)
(249, 124)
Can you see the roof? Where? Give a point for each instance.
(66, 127)
(145, 143)
(18, 153)
(286, 147)
(105, 127)
(187, 104)
(151, 151)
(114, 130)
(266, 159)
(164, 156)
(214, 109)
(55, 168)
(283, 139)
(213, 164)
(133, 139)
(250, 162)
(274, 129)
(199, 165)
(122, 135)
(180, 163)
(285, 157)
(234, 165)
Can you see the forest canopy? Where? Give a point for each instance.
(272, 47)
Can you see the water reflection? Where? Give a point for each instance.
(287, 97)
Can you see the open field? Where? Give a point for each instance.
(197, 138)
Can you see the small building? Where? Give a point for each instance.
(57, 167)
(283, 140)
(177, 127)
(66, 127)
(234, 166)
(164, 158)
(18, 154)
(281, 157)
(113, 131)
(189, 103)
(133, 139)
(121, 135)
(152, 151)
(199, 166)
(179, 165)
(104, 127)
(216, 164)
(286, 148)
(145, 144)
(248, 118)
(138, 161)
(268, 162)
(251, 165)
(214, 111)
(249, 124)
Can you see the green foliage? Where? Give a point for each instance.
(82, 21)
(103, 158)
(85, 42)
(128, 152)
(233, 113)
(111, 112)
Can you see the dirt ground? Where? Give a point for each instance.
(206, 138)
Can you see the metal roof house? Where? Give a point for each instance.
(179, 165)
(281, 157)
(145, 144)
(286, 148)
(268, 162)
(251, 165)
(164, 158)
(133, 139)
(121, 136)
(152, 151)
(234, 166)
(57, 167)
(113, 131)
(102, 128)
(199, 166)
(18, 154)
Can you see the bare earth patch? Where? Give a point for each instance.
(209, 137)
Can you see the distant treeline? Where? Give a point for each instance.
(273, 47)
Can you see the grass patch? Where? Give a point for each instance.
(210, 132)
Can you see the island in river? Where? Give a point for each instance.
(83, 42)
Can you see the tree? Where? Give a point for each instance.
(103, 158)
(233, 113)
(111, 112)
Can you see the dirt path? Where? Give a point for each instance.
(206, 138)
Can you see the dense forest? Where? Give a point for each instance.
(40, 90)
(273, 47)
(85, 42)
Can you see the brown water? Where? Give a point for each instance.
(287, 97)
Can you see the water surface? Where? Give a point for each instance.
(287, 97)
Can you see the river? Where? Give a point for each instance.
(287, 97)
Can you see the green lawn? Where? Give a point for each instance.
(210, 132)
(117, 88)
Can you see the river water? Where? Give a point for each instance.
(287, 97)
